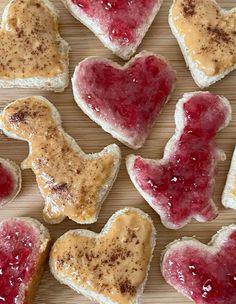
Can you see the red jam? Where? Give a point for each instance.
(181, 185)
(18, 248)
(6, 183)
(120, 19)
(128, 98)
(202, 276)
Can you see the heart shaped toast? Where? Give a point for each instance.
(73, 183)
(33, 54)
(10, 181)
(206, 34)
(109, 267)
(124, 101)
(120, 25)
(229, 193)
(24, 246)
(180, 185)
(205, 274)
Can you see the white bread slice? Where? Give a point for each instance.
(229, 193)
(169, 149)
(214, 246)
(57, 83)
(125, 51)
(92, 295)
(128, 137)
(27, 292)
(200, 78)
(15, 172)
(113, 149)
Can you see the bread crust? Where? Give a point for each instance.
(56, 83)
(90, 294)
(229, 197)
(200, 78)
(124, 52)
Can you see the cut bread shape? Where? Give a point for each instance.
(10, 181)
(109, 267)
(229, 193)
(120, 25)
(24, 248)
(33, 54)
(124, 100)
(207, 38)
(179, 186)
(73, 183)
(204, 274)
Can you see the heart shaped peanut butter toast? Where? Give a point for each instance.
(24, 246)
(72, 183)
(206, 34)
(32, 52)
(124, 100)
(205, 274)
(179, 186)
(109, 267)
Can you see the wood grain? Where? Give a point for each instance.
(92, 138)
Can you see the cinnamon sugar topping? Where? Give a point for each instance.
(209, 35)
(114, 264)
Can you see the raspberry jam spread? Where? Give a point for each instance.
(120, 19)
(207, 275)
(181, 184)
(128, 99)
(6, 183)
(18, 247)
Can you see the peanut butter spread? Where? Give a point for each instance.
(69, 183)
(113, 264)
(209, 35)
(29, 41)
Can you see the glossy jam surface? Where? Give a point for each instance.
(18, 247)
(127, 98)
(6, 183)
(205, 277)
(181, 185)
(120, 19)
(113, 264)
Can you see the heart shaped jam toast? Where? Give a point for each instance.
(32, 53)
(229, 193)
(109, 267)
(24, 246)
(206, 34)
(179, 186)
(72, 183)
(124, 101)
(10, 181)
(205, 274)
(120, 25)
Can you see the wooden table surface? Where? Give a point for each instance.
(92, 138)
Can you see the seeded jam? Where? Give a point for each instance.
(203, 276)
(181, 184)
(18, 245)
(130, 98)
(6, 183)
(121, 19)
